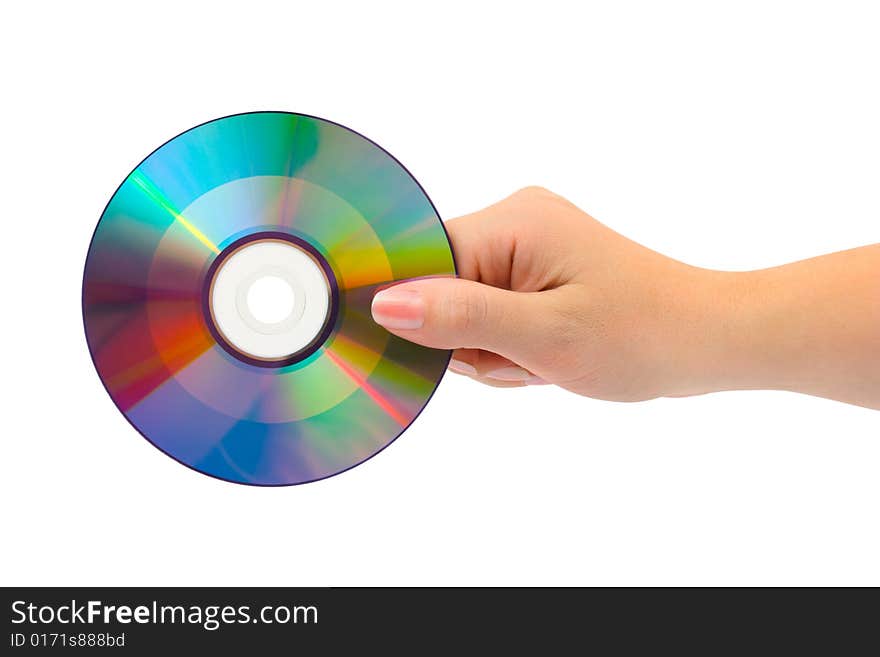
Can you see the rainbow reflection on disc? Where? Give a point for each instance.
(266, 193)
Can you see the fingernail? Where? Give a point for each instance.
(510, 373)
(460, 367)
(537, 381)
(399, 309)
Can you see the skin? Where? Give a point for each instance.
(547, 294)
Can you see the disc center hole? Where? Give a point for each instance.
(270, 299)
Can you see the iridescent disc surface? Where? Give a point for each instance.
(151, 339)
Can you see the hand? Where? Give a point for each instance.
(548, 294)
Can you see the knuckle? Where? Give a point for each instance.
(541, 200)
(533, 193)
(466, 310)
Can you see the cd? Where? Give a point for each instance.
(289, 208)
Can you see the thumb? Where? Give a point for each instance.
(453, 313)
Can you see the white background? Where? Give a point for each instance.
(733, 137)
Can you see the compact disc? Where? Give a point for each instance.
(227, 292)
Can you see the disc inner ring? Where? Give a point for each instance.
(286, 338)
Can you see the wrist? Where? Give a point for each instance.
(726, 334)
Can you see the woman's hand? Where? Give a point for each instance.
(548, 294)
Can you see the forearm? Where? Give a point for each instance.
(811, 326)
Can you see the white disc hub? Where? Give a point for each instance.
(269, 299)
